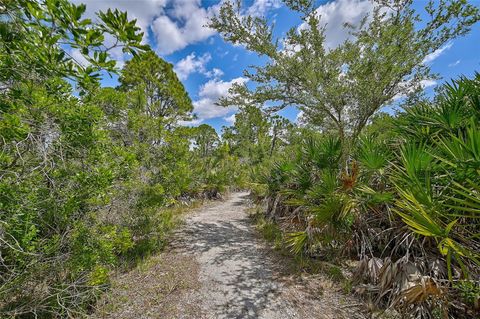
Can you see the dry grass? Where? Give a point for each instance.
(155, 289)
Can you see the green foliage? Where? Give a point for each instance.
(88, 181)
(340, 89)
(205, 140)
(372, 155)
(469, 290)
(36, 37)
(155, 88)
(270, 231)
(408, 209)
(435, 178)
(297, 241)
(397, 191)
(335, 273)
(255, 139)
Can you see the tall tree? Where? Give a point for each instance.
(280, 132)
(256, 135)
(158, 90)
(341, 88)
(205, 139)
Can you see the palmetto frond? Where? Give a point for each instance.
(372, 154)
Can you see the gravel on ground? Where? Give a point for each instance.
(218, 266)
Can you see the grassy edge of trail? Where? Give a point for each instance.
(153, 279)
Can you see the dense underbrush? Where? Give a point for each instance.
(91, 177)
(404, 203)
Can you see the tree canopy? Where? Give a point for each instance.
(157, 87)
(341, 88)
(38, 38)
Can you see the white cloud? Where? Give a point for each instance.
(222, 53)
(428, 83)
(169, 37)
(230, 119)
(435, 54)
(424, 84)
(191, 64)
(184, 24)
(260, 7)
(175, 24)
(454, 63)
(336, 13)
(214, 73)
(194, 122)
(209, 94)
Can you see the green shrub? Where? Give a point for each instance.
(270, 231)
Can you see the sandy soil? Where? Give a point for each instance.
(218, 267)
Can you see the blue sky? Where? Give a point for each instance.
(208, 66)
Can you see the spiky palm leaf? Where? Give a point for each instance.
(297, 241)
(372, 154)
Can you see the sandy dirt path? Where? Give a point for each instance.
(218, 267)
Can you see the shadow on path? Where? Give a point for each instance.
(238, 276)
(218, 267)
(240, 282)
